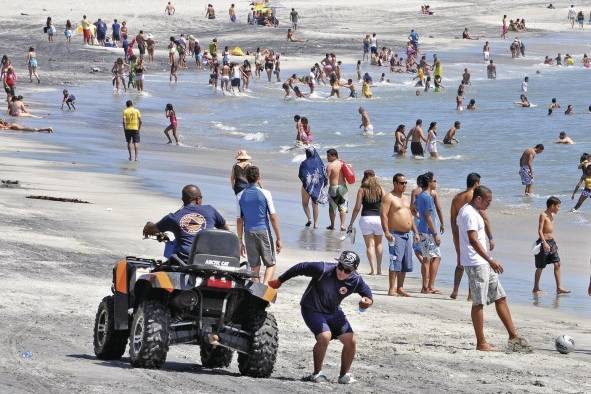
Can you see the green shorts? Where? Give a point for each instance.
(337, 198)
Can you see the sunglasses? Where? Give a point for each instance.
(345, 270)
(403, 183)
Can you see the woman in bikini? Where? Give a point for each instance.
(171, 115)
(432, 140)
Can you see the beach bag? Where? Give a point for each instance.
(45, 29)
(348, 173)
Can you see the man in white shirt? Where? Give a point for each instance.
(373, 44)
(524, 86)
(483, 272)
(572, 15)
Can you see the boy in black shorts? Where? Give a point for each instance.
(548, 253)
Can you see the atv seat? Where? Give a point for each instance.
(214, 250)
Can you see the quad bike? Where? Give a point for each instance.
(209, 300)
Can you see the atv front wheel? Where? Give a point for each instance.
(218, 357)
(260, 360)
(149, 335)
(109, 344)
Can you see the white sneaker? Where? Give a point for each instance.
(320, 377)
(347, 379)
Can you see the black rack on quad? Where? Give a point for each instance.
(209, 300)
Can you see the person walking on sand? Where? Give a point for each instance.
(293, 18)
(483, 272)
(572, 16)
(548, 253)
(238, 175)
(399, 228)
(320, 307)
(171, 115)
(459, 200)
(132, 123)
(429, 228)
(337, 189)
(232, 13)
(312, 174)
(31, 60)
(369, 199)
(526, 170)
(256, 216)
(86, 34)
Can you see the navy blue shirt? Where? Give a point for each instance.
(325, 291)
(187, 222)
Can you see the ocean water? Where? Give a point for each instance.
(261, 121)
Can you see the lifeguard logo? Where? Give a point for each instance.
(343, 290)
(192, 223)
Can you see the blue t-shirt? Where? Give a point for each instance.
(325, 292)
(414, 36)
(101, 27)
(187, 222)
(425, 204)
(254, 203)
(116, 27)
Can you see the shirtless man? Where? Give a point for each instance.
(491, 70)
(461, 199)
(365, 122)
(225, 78)
(564, 139)
(169, 9)
(4, 125)
(415, 136)
(466, 77)
(553, 105)
(526, 170)
(549, 250)
(399, 226)
(449, 138)
(337, 190)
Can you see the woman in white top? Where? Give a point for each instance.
(369, 199)
(432, 140)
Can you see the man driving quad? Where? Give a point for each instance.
(187, 221)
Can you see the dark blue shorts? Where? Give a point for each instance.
(318, 322)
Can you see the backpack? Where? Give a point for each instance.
(348, 173)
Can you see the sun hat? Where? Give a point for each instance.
(242, 155)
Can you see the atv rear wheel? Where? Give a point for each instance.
(218, 357)
(109, 344)
(260, 360)
(149, 335)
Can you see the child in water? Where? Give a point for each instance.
(171, 115)
(366, 90)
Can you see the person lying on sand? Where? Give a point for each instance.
(4, 125)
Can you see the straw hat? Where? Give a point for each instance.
(242, 155)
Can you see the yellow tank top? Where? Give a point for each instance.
(439, 70)
(366, 90)
(588, 182)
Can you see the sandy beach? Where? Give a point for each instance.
(58, 256)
